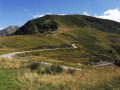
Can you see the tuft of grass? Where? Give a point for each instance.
(9, 64)
(40, 69)
(54, 69)
(71, 71)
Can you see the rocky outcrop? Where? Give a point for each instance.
(9, 30)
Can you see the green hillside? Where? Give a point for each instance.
(96, 39)
(50, 23)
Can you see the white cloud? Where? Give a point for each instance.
(86, 13)
(1, 28)
(95, 15)
(61, 14)
(48, 14)
(25, 10)
(41, 15)
(36, 16)
(111, 15)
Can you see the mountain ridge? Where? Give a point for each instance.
(50, 23)
(9, 30)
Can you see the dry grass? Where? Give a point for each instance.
(56, 61)
(61, 30)
(100, 79)
(7, 63)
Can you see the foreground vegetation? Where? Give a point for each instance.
(16, 74)
(101, 79)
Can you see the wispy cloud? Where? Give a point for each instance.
(111, 15)
(36, 16)
(41, 15)
(86, 13)
(48, 14)
(26, 10)
(61, 14)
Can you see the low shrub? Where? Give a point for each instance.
(34, 66)
(54, 69)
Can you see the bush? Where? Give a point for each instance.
(54, 69)
(34, 66)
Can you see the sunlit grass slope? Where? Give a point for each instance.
(93, 46)
(96, 39)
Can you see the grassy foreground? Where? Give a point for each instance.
(31, 76)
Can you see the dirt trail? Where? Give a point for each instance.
(10, 56)
(107, 64)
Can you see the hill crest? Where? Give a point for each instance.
(50, 23)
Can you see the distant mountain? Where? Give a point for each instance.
(9, 30)
(50, 23)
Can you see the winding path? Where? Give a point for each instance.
(10, 56)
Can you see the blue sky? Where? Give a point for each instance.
(18, 12)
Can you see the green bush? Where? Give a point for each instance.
(54, 69)
(34, 66)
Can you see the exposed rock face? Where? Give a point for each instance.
(9, 30)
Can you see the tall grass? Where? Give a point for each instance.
(9, 64)
(34, 76)
(107, 78)
(8, 74)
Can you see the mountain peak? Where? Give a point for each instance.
(9, 30)
(49, 23)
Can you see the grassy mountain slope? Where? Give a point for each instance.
(96, 39)
(50, 23)
(93, 46)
